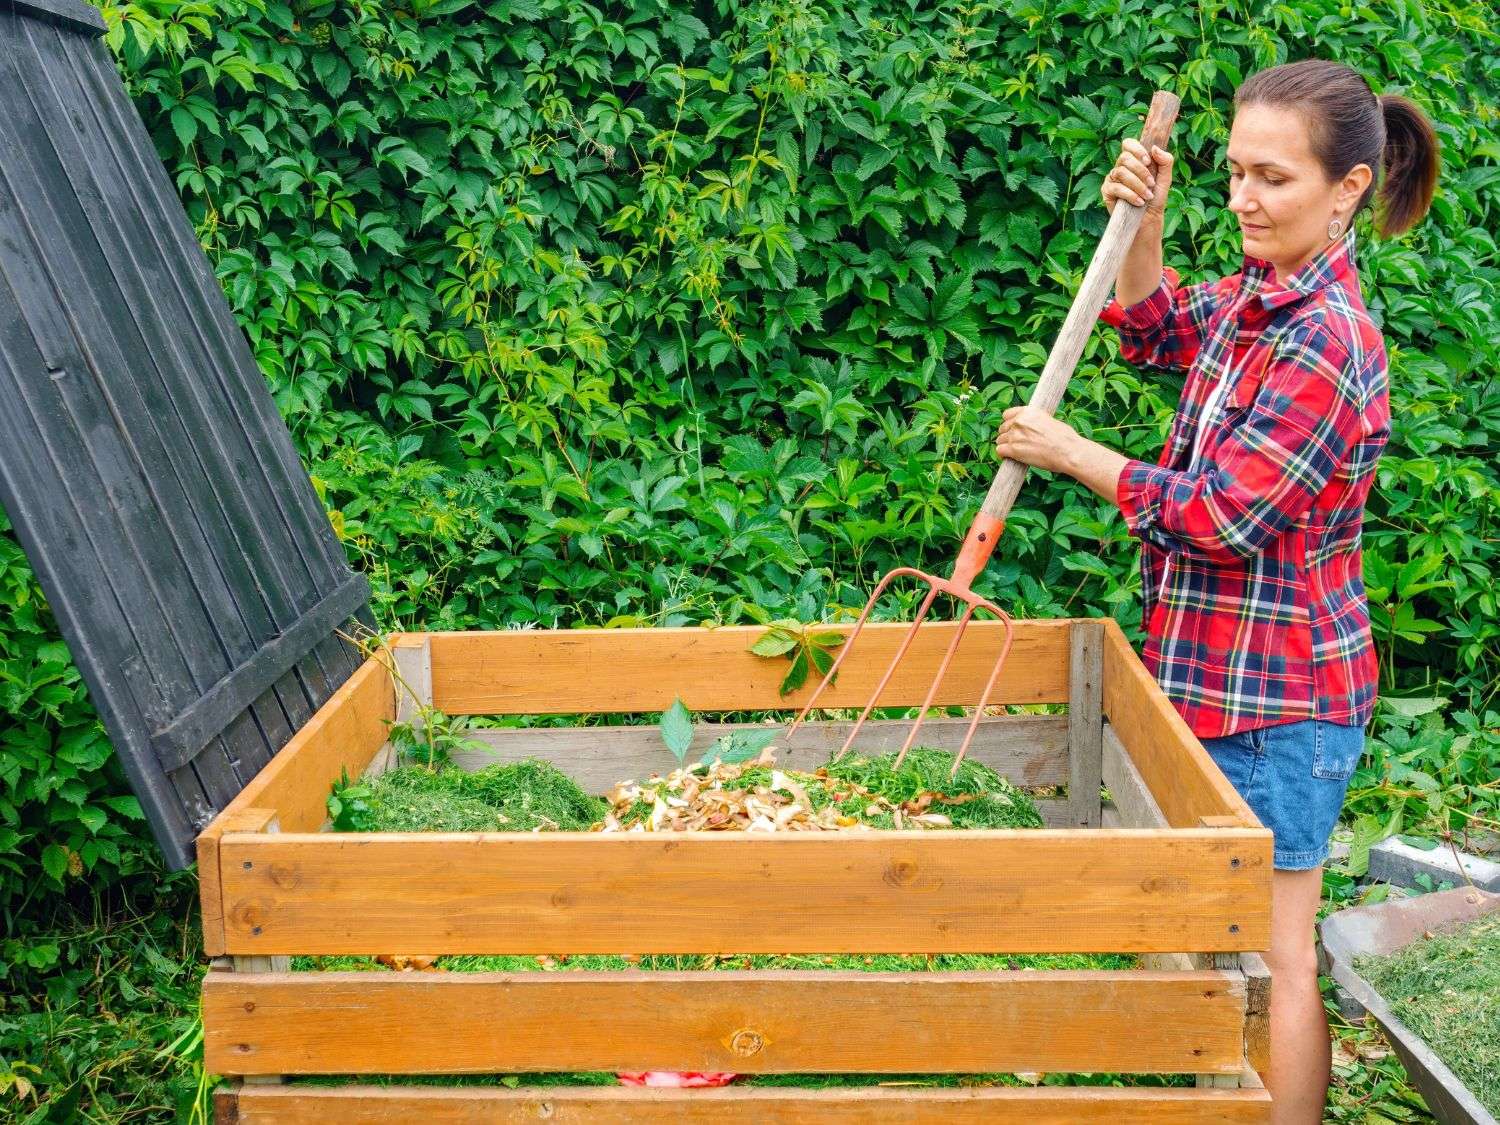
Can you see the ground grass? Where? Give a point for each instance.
(1447, 989)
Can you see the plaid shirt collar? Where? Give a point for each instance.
(1334, 263)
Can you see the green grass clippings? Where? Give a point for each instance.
(1446, 988)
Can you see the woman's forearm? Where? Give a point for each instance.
(1030, 435)
(1140, 273)
(1097, 466)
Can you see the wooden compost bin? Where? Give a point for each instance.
(1174, 866)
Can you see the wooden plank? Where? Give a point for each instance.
(260, 965)
(1039, 890)
(1135, 805)
(1177, 770)
(1225, 962)
(413, 660)
(1056, 812)
(116, 367)
(210, 890)
(438, 1105)
(180, 739)
(71, 15)
(1257, 1015)
(343, 736)
(1030, 750)
(576, 671)
(766, 1022)
(1085, 723)
(410, 658)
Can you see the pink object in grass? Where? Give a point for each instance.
(678, 1079)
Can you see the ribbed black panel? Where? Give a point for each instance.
(152, 483)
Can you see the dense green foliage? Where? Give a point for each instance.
(654, 313)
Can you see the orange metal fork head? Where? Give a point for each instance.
(977, 547)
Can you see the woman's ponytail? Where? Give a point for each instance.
(1411, 165)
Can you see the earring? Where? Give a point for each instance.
(1335, 229)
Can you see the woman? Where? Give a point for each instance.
(1256, 620)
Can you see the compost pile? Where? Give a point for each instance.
(854, 794)
(851, 795)
(1446, 988)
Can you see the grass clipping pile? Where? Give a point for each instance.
(1446, 988)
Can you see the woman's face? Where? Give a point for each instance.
(1278, 191)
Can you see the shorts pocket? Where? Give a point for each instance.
(1336, 750)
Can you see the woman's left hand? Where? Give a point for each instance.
(1034, 437)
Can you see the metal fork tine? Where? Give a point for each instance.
(848, 644)
(911, 735)
(911, 635)
(989, 686)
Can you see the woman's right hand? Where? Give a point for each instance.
(1139, 177)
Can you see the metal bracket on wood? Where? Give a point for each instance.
(1086, 724)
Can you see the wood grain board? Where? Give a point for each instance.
(343, 736)
(211, 895)
(1043, 1105)
(745, 1022)
(1135, 807)
(1085, 724)
(1030, 750)
(1181, 776)
(1080, 890)
(577, 671)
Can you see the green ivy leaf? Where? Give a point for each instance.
(185, 125)
(93, 818)
(127, 806)
(55, 861)
(778, 640)
(677, 729)
(741, 745)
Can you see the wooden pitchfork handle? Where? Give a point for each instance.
(1124, 221)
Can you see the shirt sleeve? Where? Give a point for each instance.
(1166, 329)
(1270, 469)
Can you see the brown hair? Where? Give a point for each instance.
(1349, 125)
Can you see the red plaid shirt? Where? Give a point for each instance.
(1254, 609)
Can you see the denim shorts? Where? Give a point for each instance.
(1294, 777)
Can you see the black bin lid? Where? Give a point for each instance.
(151, 481)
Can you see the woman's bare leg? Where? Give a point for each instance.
(1301, 1051)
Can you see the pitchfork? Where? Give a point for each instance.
(985, 531)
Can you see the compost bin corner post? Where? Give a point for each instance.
(411, 680)
(242, 963)
(1085, 723)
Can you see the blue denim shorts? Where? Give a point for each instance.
(1294, 777)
